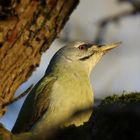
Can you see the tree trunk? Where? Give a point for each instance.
(26, 31)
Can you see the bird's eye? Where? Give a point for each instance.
(83, 47)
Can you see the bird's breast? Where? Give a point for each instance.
(71, 93)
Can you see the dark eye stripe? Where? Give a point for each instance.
(100, 45)
(89, 45)
(85, 58)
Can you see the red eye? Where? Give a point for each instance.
(82, 47)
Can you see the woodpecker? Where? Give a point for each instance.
(64, 89)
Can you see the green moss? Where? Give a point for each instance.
(117, 117)
(133, 97)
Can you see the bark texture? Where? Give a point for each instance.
(25, 32)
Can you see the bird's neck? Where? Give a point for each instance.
(66, 67)
(74, 69)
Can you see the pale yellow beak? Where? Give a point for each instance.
(106, 48)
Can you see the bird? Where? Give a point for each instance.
(64, 88)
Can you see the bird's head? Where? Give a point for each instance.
(83, 55)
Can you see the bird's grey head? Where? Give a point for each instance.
(81, 54)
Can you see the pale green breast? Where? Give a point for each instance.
(70, 93)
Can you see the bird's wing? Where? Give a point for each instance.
(35, 105)
(42, 97)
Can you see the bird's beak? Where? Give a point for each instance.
(107, 47)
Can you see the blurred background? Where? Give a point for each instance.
(99, 21)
